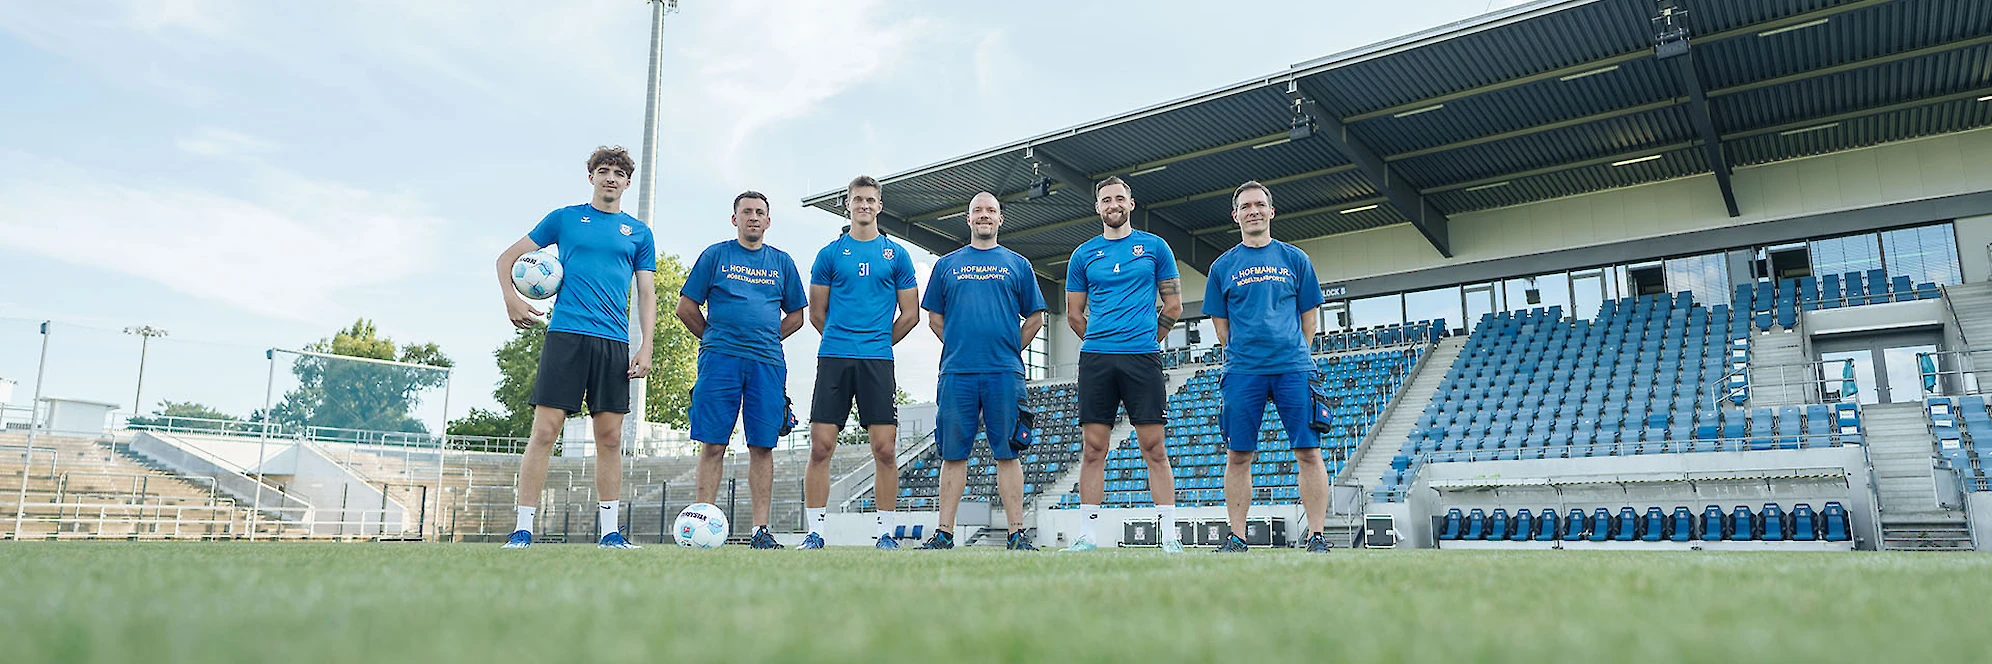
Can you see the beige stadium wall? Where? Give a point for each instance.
(1893, 173)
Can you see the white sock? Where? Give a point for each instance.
(1166, 520)
(1089, 520)
(608, 513)
(526, 517)
(817, 517)
(885, 523)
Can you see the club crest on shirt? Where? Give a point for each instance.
(584, 218)
(887, 253)
(1138, 249)
(625, 229)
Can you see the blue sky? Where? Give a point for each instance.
(250, 174)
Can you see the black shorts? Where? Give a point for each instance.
(1108, 381)
(577, 368)
(841, 379)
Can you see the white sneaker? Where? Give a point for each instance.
(1172, 546)
(1083, 544)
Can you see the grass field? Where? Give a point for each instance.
(119, 602)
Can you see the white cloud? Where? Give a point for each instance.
(218, 142)
(757, 64)
(293, 248)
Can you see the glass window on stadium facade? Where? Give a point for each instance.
(1037, 365)
(1923, 253)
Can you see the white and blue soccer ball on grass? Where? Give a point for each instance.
(537, 275)
(701, 526)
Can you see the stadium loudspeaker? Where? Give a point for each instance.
(1534, 296)
(1213, 532)
(1140, 532)
(1040, 188)
(1193, 336)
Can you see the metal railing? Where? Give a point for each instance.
(1952, 373)
(1815, 382)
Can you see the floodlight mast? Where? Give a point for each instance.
(646, 197)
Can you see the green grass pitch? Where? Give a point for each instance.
(257, 602)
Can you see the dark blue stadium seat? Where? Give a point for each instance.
(1653, 526)
(1627, 527)
(1742, 524)
(1682, 527)
(1773, 527)
(1453, 525)
(1712, 524)
(1576, 526)
(1856, 289)
(1829, 291)
(1476, 525)
(1804, 526)
(1497, 525)
(1836, 526)
(1525, 525)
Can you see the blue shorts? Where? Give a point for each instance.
(1245, 398)
(731, 387)
(972, 401)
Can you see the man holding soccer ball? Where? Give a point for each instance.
(752, 299)
(586, 360)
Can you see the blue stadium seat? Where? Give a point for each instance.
(1712, 521)
(1653, 526)
(1804, 526)
(1575, 526)
(1773, 527)
(1524, 525)
(1682, 527)
(1743, 525)
(1856, 289)
(1836, 526)
(1453, 525)
(1829, 291)
(1627, 527)
(1476, 525)
(1547, 526)
(1497, 525)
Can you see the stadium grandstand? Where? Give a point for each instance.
(1599, 273)
(1604, 273)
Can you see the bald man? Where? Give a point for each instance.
(983, 303)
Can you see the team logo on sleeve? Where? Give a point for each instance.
(626, 230)
(1138, 249)
(887, 253)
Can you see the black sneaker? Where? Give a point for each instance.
(1318, 543)
(763, 540)
(941, 540)
(1019, 542)
(1232, 544)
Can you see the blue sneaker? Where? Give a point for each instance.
(614, 540)
(763, 540)
(1019, 542)
(520, 539)
(1232, 544)
(813, 541)
(888, 543)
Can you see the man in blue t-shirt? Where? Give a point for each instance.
(863, 298)
(1262, 297)
(983, 304)
(586, 360)
(753, 300)
(1111, 287)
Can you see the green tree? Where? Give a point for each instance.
(673, 359)
(361, 395)
(185, 414)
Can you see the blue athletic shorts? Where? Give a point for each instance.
(731, 387)
(972, 401)
(1245, 398)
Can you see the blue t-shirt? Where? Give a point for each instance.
(745, 292)
(1262, 291)
(599, 252)
(982, 295)
(1119, 279)
(864, 279)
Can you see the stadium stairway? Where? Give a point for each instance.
(1972, 305)
(1778, 375)
(1902, 450)
(1372, 457)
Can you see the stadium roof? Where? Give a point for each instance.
(1544, 100)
